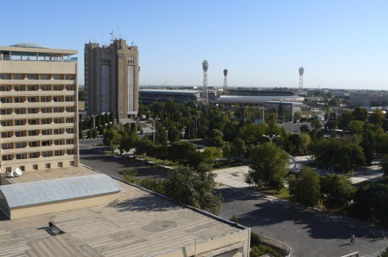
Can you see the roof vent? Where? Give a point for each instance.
(17, 173)
(8, 174)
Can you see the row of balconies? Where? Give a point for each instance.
(27, 156)
(37, 104)
(21, 139)
(29, 149)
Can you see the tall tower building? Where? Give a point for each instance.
(112, 79)
(225, 81)
(301, 71)
(205, 92)
(38, 105)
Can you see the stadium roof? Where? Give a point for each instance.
(29, 45)
(236, 99)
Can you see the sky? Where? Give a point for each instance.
(262, 43)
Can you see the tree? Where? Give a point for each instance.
(112, 138)
(384, 253)
(267, 163)
(216, 138)
(181, 151)
(305, 188)
(160, 134)
(297, 117)
(252, 133)
(193, 188)
(211, 153)
(173, 134)
(384, 164)
(337, 191)
(356, 126)
(298, 143)
(377, 117)
(360, 114)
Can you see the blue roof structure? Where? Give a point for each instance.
(46, 191)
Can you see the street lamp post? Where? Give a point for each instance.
(94, 121)
(271, 137)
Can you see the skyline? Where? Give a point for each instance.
(340, 44)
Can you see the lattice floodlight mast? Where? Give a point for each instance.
(225, 81)
(301, 71)
(205, 94)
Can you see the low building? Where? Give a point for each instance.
(136, 222)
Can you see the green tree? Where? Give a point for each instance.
(360, 114)
(306, 187)
(298, 143)
(173, 134)
(181, 151)
(216, 138)
(160, 134)
(336, 190)
(211, 153)
(112, 138)
(344, 119)
(267, 163)
(356, 126)
(377, 117)
(193, 188)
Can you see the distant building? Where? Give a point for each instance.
(180, 96)
(112, 79)
(368, 99)
(38, 105)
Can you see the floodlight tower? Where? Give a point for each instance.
(301, 71)
(205, 95)
(225, 81)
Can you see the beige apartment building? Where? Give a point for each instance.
(38, 106)
(112, 79)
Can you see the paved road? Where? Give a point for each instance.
(97, 158)
(309, 233)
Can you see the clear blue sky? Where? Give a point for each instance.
(340, 43)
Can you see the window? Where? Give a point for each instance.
(70, 151)
(69, 77)
(33, 110)
(5, 100)
(19, 111)
(69, 120)
(18, 88)
(6, 123)
(20, 122)
(20, 145)
(33, 88)
(35, 166)
(45, 88)
(34, 155)
(32, 99)
(69, 98)
(6, 134)
(5, 88)
(47, 154)
(22, 168)
(33, 122)
(58, 142)
(48, 166)
(57, 131)
(47, 132)
(69, 87)
(71, 163)
(45, 110)
(6, 146)
(58, 109)
(46, 143)
(60, 164)
(70, 109)
(7, 157)
(34, 144)
(69, 141)
(69, 130)
(18, 76)
(58, 76)
(19, 99)
(20, 133)
(57, 153)
(33, 132)
(21, 156)
(45, 76)
(5, 76)
(45, 99)
(32, 76)
(57, 88)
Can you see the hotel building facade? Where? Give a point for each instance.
(38, 106)
(112, 79)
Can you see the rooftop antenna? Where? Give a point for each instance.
(301, 71)
(205, 95)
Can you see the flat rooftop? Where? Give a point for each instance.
(138, 223)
